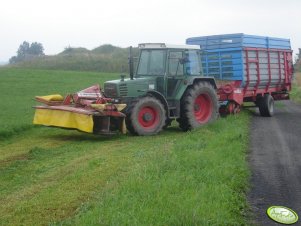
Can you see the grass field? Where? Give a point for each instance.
(296, 92)
(60, 177)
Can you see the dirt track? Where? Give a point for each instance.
(275, 160)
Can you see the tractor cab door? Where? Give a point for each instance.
(175, 73)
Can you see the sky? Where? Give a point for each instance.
(90, 23)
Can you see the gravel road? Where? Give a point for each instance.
(275, 160)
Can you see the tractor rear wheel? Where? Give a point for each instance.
(146, 116)
(199, 106)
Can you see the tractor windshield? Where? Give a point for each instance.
(192, 63)
(152, 62)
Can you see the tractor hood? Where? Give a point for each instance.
(129, 88)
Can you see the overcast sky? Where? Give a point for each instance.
(90, 23)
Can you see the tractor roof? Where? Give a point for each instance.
(166, 46)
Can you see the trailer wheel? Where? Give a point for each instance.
(266, 105)
(199, 106)
(145, 116)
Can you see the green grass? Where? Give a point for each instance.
(62, 177)
(296, 91)
(279, 105)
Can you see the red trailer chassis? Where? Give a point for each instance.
(237, 92)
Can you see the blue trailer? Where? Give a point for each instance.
(248, 68)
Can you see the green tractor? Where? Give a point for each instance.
(168, 84)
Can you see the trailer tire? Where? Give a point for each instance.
(199, 106)
(146, 116)
(266, 105)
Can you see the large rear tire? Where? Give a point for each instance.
(199, 106)
(146, 116)
(266, 105)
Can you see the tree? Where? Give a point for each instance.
(13, 60)
(24, 49)
(27, 51)
(36, 49)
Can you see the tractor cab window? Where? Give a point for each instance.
(192, 63)
(152, 62)
(174, 63)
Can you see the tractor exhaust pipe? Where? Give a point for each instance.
(131, 64)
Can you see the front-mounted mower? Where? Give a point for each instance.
(168, 84)
(87, 110)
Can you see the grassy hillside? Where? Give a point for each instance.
(52, 176)
(106, 58)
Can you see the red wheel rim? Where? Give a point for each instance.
(203, 108)
(148, 117)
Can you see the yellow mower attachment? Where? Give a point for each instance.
(86, 111)
(64, 118)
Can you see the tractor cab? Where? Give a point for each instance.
(170, 60)
(161, 68)
(169, 64)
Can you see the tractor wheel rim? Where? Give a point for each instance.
(148, 117)
(203, 108)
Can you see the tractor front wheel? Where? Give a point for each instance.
(199, 106)
(146, 116)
